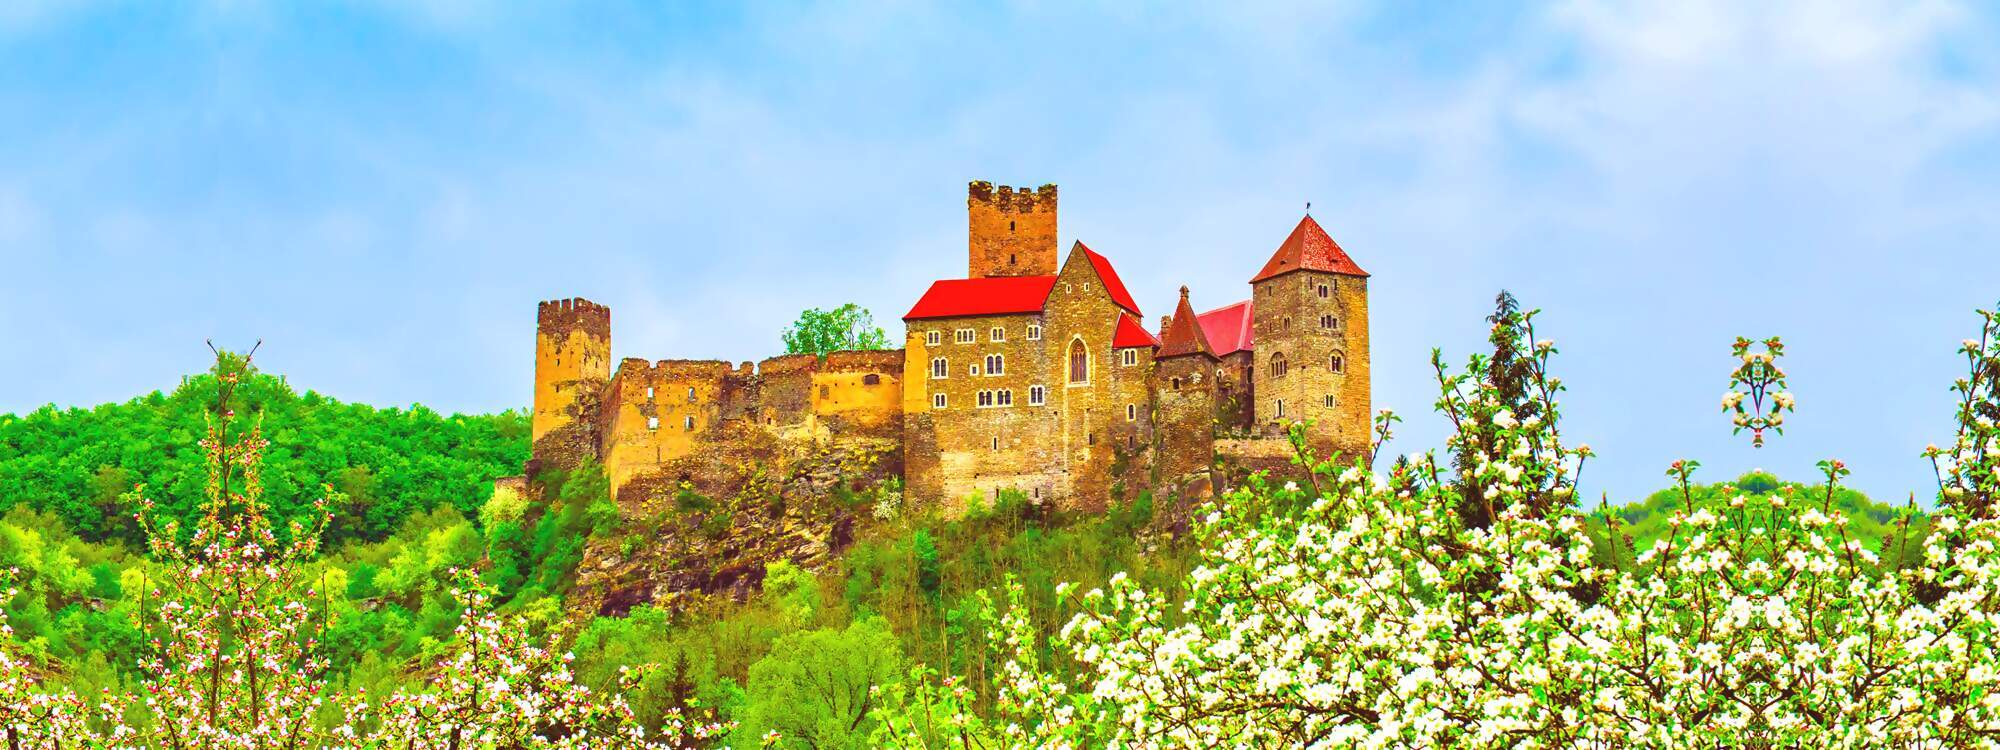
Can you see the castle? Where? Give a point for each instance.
(1034, 373)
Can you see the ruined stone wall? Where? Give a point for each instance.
(663, 413)
(1288, 316)
(572, 366)
(1011, 233)
(963, 448)
(1236, 393)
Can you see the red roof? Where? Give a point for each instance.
(1183, 335)
(994, 295)
(1130, 334)
(1308, 249)
(1228, 329)
(1111, 282)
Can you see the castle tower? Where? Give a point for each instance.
(1012, 233)
(572, 362)
(1310, 317)
(1184, 414)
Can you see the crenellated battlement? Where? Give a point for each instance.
(1011, 199)
(573, 314)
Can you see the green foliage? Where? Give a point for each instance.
(844, 328)
(816, 688)
(74, 464)
(1640, 525)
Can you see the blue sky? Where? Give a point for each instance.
(381, 191)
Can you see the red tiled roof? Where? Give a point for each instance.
(1308, 248)
(1130, 334)
(1228, 329)
(1183, 335)
(1112, 283)
(995, 295)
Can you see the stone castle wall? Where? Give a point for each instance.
(1011, 233)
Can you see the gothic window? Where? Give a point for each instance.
(1278, 366)
(937, 400)
(999, 333)
(1005, 397)
(940, 368)
(933, 338)
(1335, 363)
(1034, 332)
(1129, 357)
(962, 335)
(985, 398)
(1079, 362)
(1037, 395)
(996, 364)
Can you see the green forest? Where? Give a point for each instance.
(412, 503)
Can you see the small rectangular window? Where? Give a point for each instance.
(933, 338)
(937, 400)
(1131, 412)
(652, 423)
(1037, 395)
(1034, 332)
(1329, 401)
(974, 369)
(649, 393)
(1323, 291)
(999, 334)
(688, 423)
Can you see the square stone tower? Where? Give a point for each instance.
(1012, 233)
(1310, 313)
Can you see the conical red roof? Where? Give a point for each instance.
(1309, 248)
(1183, 335)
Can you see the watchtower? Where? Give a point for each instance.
(572, 353)
(1012, 232)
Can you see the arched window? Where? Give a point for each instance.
(1335, 363)
(1278, 366)
(1079, 362)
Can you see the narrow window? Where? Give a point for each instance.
(996, 446)
(973, 368)
(1091, 439)
(1326, 322)
(690, 394)
(649, 393)
(1005, 397)
(1010, 228)
(1079, 362)
(962, 335)
(1281, 407)
(996, 364)
(940, 368)
(1324, 291)
(1288, 323)
(999, 333)
(1129, 357)
(688, 423)
(1335, 363)
(1131, 412)
(1034, 332)
(932, 338)
(1329, 401)
(1037, 395)
(1177, 384)
(985, 398)
(937, 400)
(652, 423)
